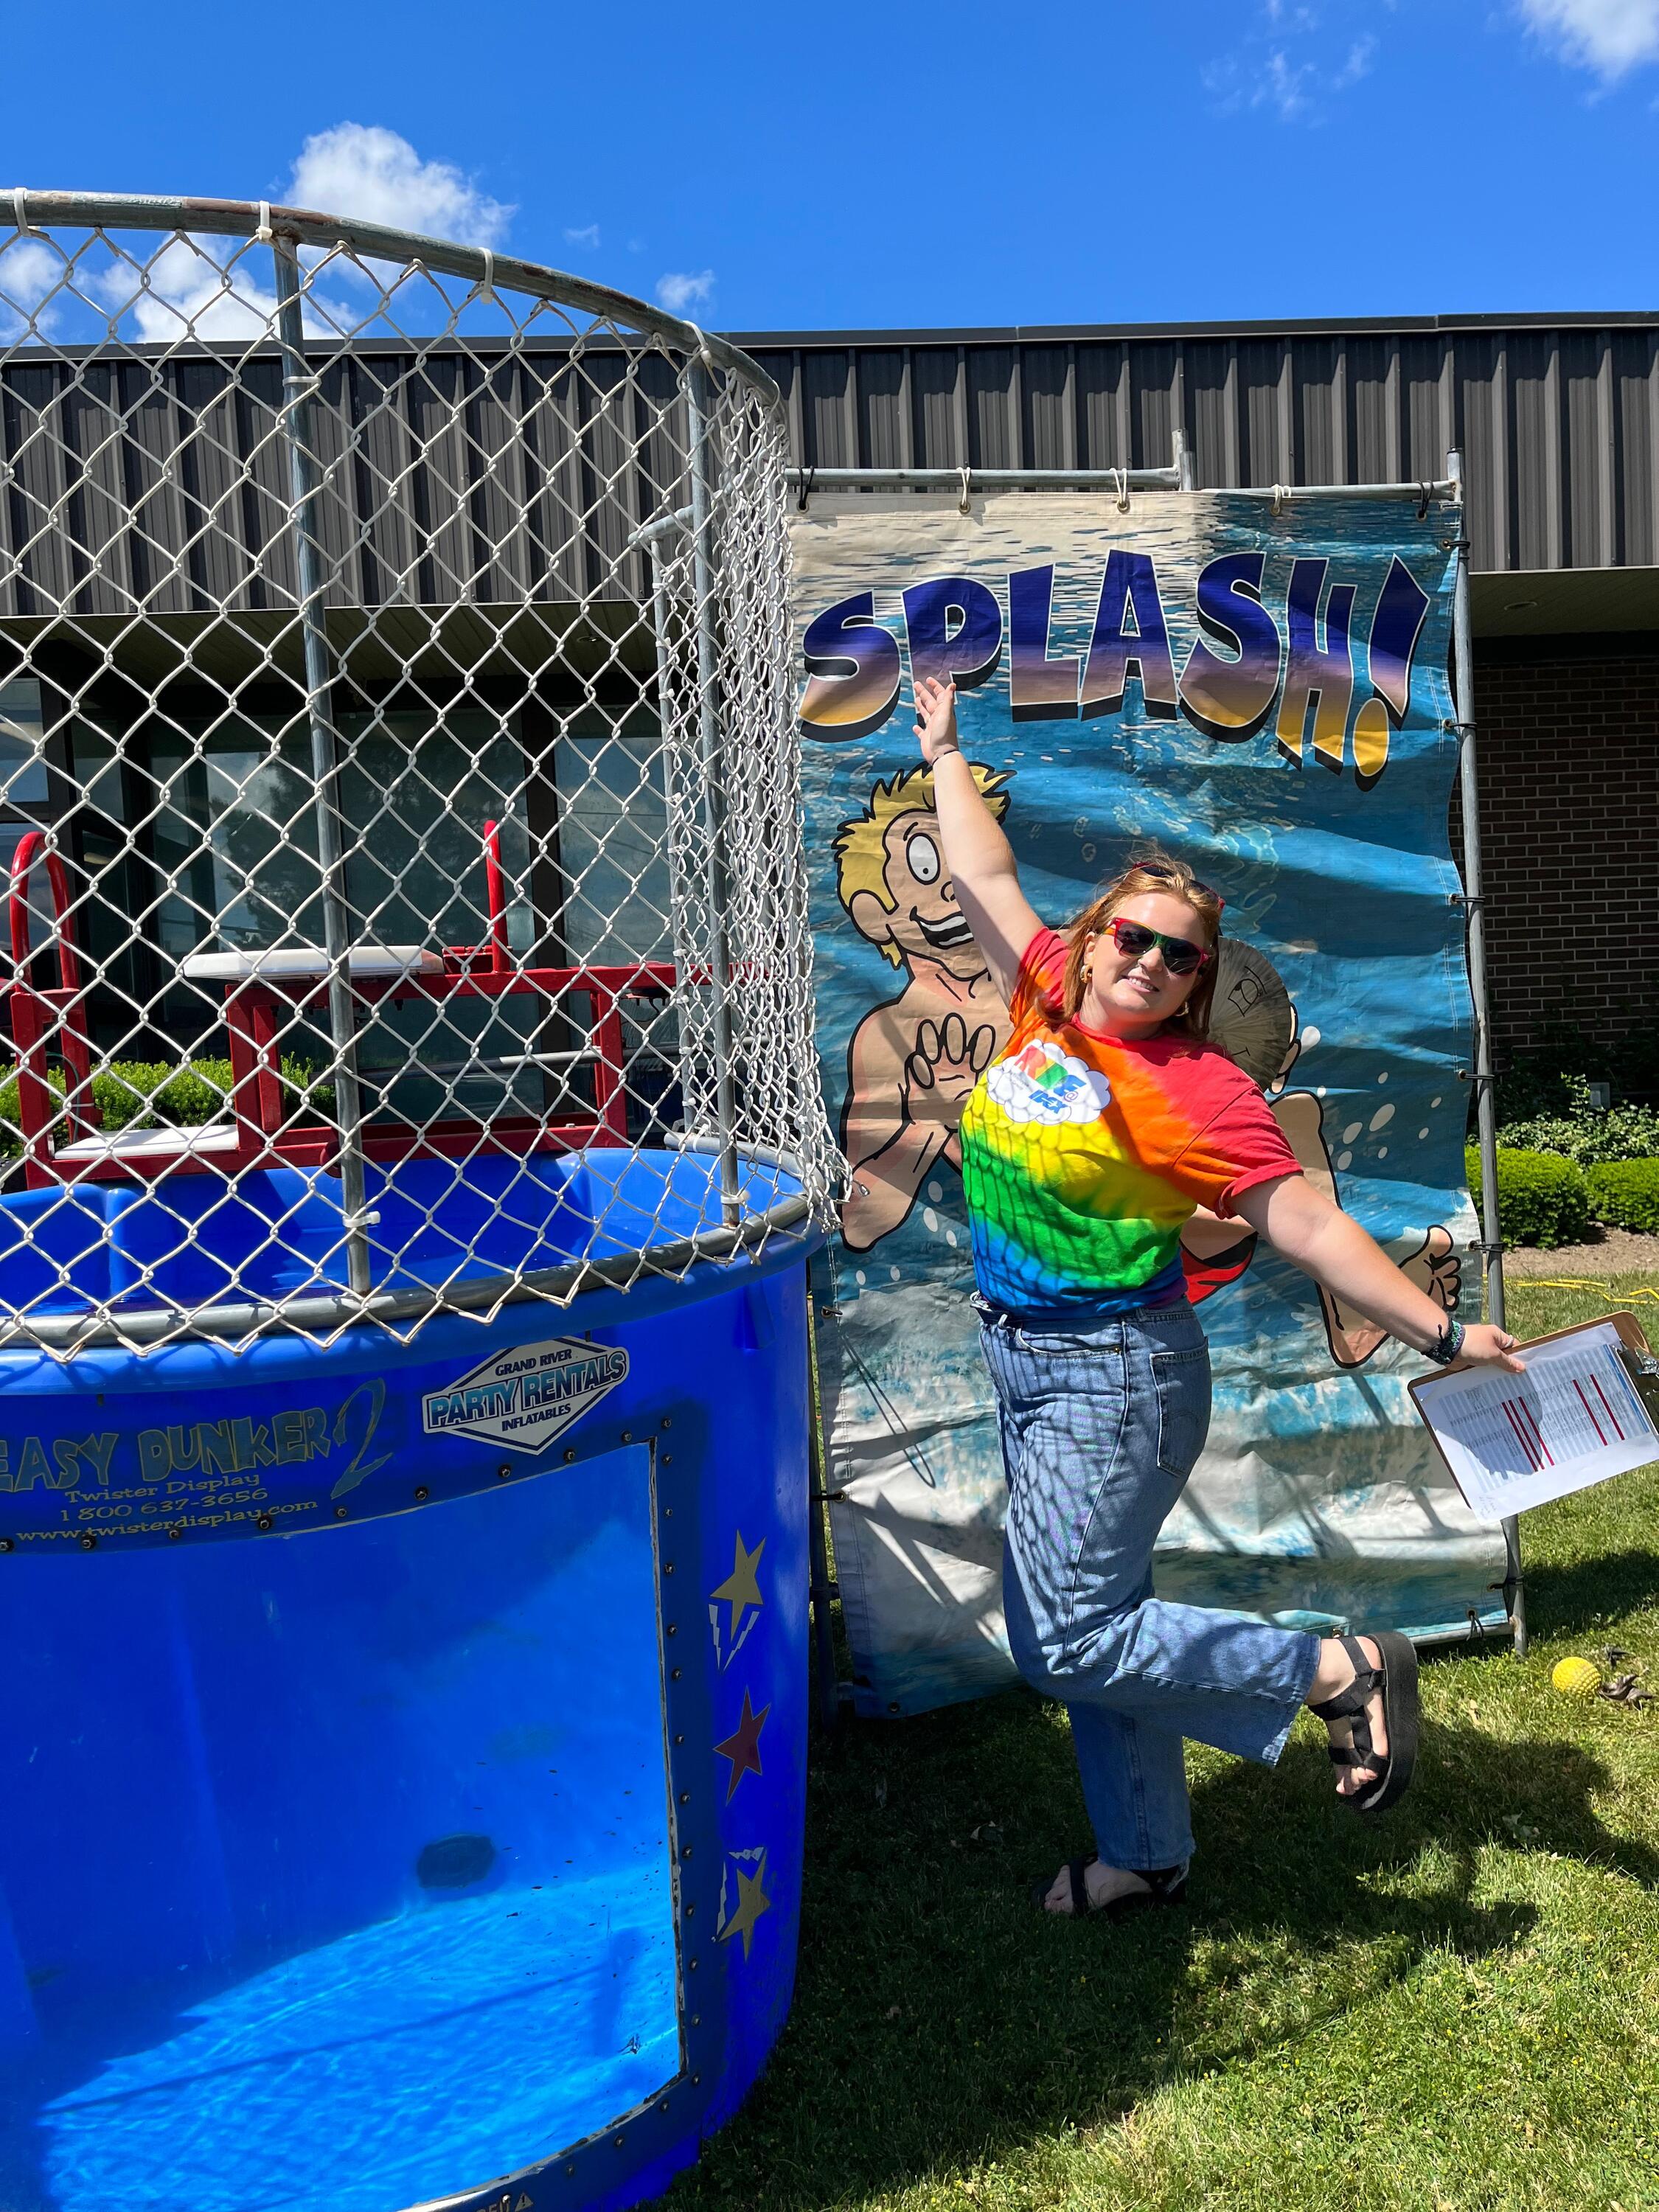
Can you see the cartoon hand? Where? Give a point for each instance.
(944, 1066)
(1443, 1269)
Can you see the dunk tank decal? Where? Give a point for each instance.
(526, 1395)
(206, 1461)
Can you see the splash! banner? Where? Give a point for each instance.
(1265, 692)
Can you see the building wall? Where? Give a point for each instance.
(1568, 730)
(1557, 418)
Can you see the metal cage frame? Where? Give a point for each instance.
(700, 647)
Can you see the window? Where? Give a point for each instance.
(613, 819)
(23, 780)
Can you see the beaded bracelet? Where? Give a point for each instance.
(1447, 1346)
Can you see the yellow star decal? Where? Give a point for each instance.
(753, 1901)
(740, 1589)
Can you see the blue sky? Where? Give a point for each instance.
(766, 167)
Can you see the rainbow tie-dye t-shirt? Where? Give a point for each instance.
(1083, 1155)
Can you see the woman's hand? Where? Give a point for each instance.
(936, 718)
(1483, 1346)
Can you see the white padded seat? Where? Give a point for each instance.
(246, 966)
(135, 1144)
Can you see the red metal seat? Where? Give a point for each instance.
(264, 992)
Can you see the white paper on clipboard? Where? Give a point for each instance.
(1574, 1417)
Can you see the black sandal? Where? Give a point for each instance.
(1164, 1885)
(1395, 1676)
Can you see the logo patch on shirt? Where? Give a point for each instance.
(1042, 1083)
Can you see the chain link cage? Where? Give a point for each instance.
(400, 802)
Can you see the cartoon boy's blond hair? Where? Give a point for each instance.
(861, 854)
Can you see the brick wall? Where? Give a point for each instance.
(1568, 731)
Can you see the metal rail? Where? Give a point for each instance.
(69, 1332)
(967, 480)
(304, 226)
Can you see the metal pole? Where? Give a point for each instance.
(1186, 462)
(702, 572)
(304, 481)
(1485, 1105)
(823, 1584)
(679, 803)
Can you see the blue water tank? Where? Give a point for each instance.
(404, 1750)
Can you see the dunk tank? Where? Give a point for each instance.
(412, 1152)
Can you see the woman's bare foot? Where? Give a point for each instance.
(1334, 1674)
(1105, 1885)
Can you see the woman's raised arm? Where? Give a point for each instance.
(980, 859)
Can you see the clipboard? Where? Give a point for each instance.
(1587, 1408)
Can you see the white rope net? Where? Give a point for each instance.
(400, 810)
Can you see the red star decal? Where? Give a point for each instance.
(742, 1748)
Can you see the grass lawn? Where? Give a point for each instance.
(1453, 2009)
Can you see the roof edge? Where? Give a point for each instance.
(1320, 326)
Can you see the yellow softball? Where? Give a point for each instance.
(1577, 1678)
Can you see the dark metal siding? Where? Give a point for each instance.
(144, 482)
(153, 483)
(1559, 422)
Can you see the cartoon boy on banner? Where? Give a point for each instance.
(913, 1060)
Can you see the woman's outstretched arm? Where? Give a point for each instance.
(979, 858)
(1329, 1245)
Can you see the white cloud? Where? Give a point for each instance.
(1284, 87)
(679, 290)
(588, 235)
(203, 287)
(364, 170)
(220, 289)
(1273, 81)
(206, 288)
(1361, 55)
(1608, 36)
(1291, 63)
(29, 269)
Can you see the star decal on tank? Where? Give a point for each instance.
(742, 1746)
(740, 1594)
(751, 1898)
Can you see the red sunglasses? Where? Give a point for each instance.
(1180, 956)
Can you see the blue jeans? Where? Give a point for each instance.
(1100, 1424)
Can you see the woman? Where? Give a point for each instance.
(1106, 1123)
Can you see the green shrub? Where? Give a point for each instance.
(187, 1096)
(1625, 1193)
(1541, 1199)
(1585, 1132)
(138, 1094)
